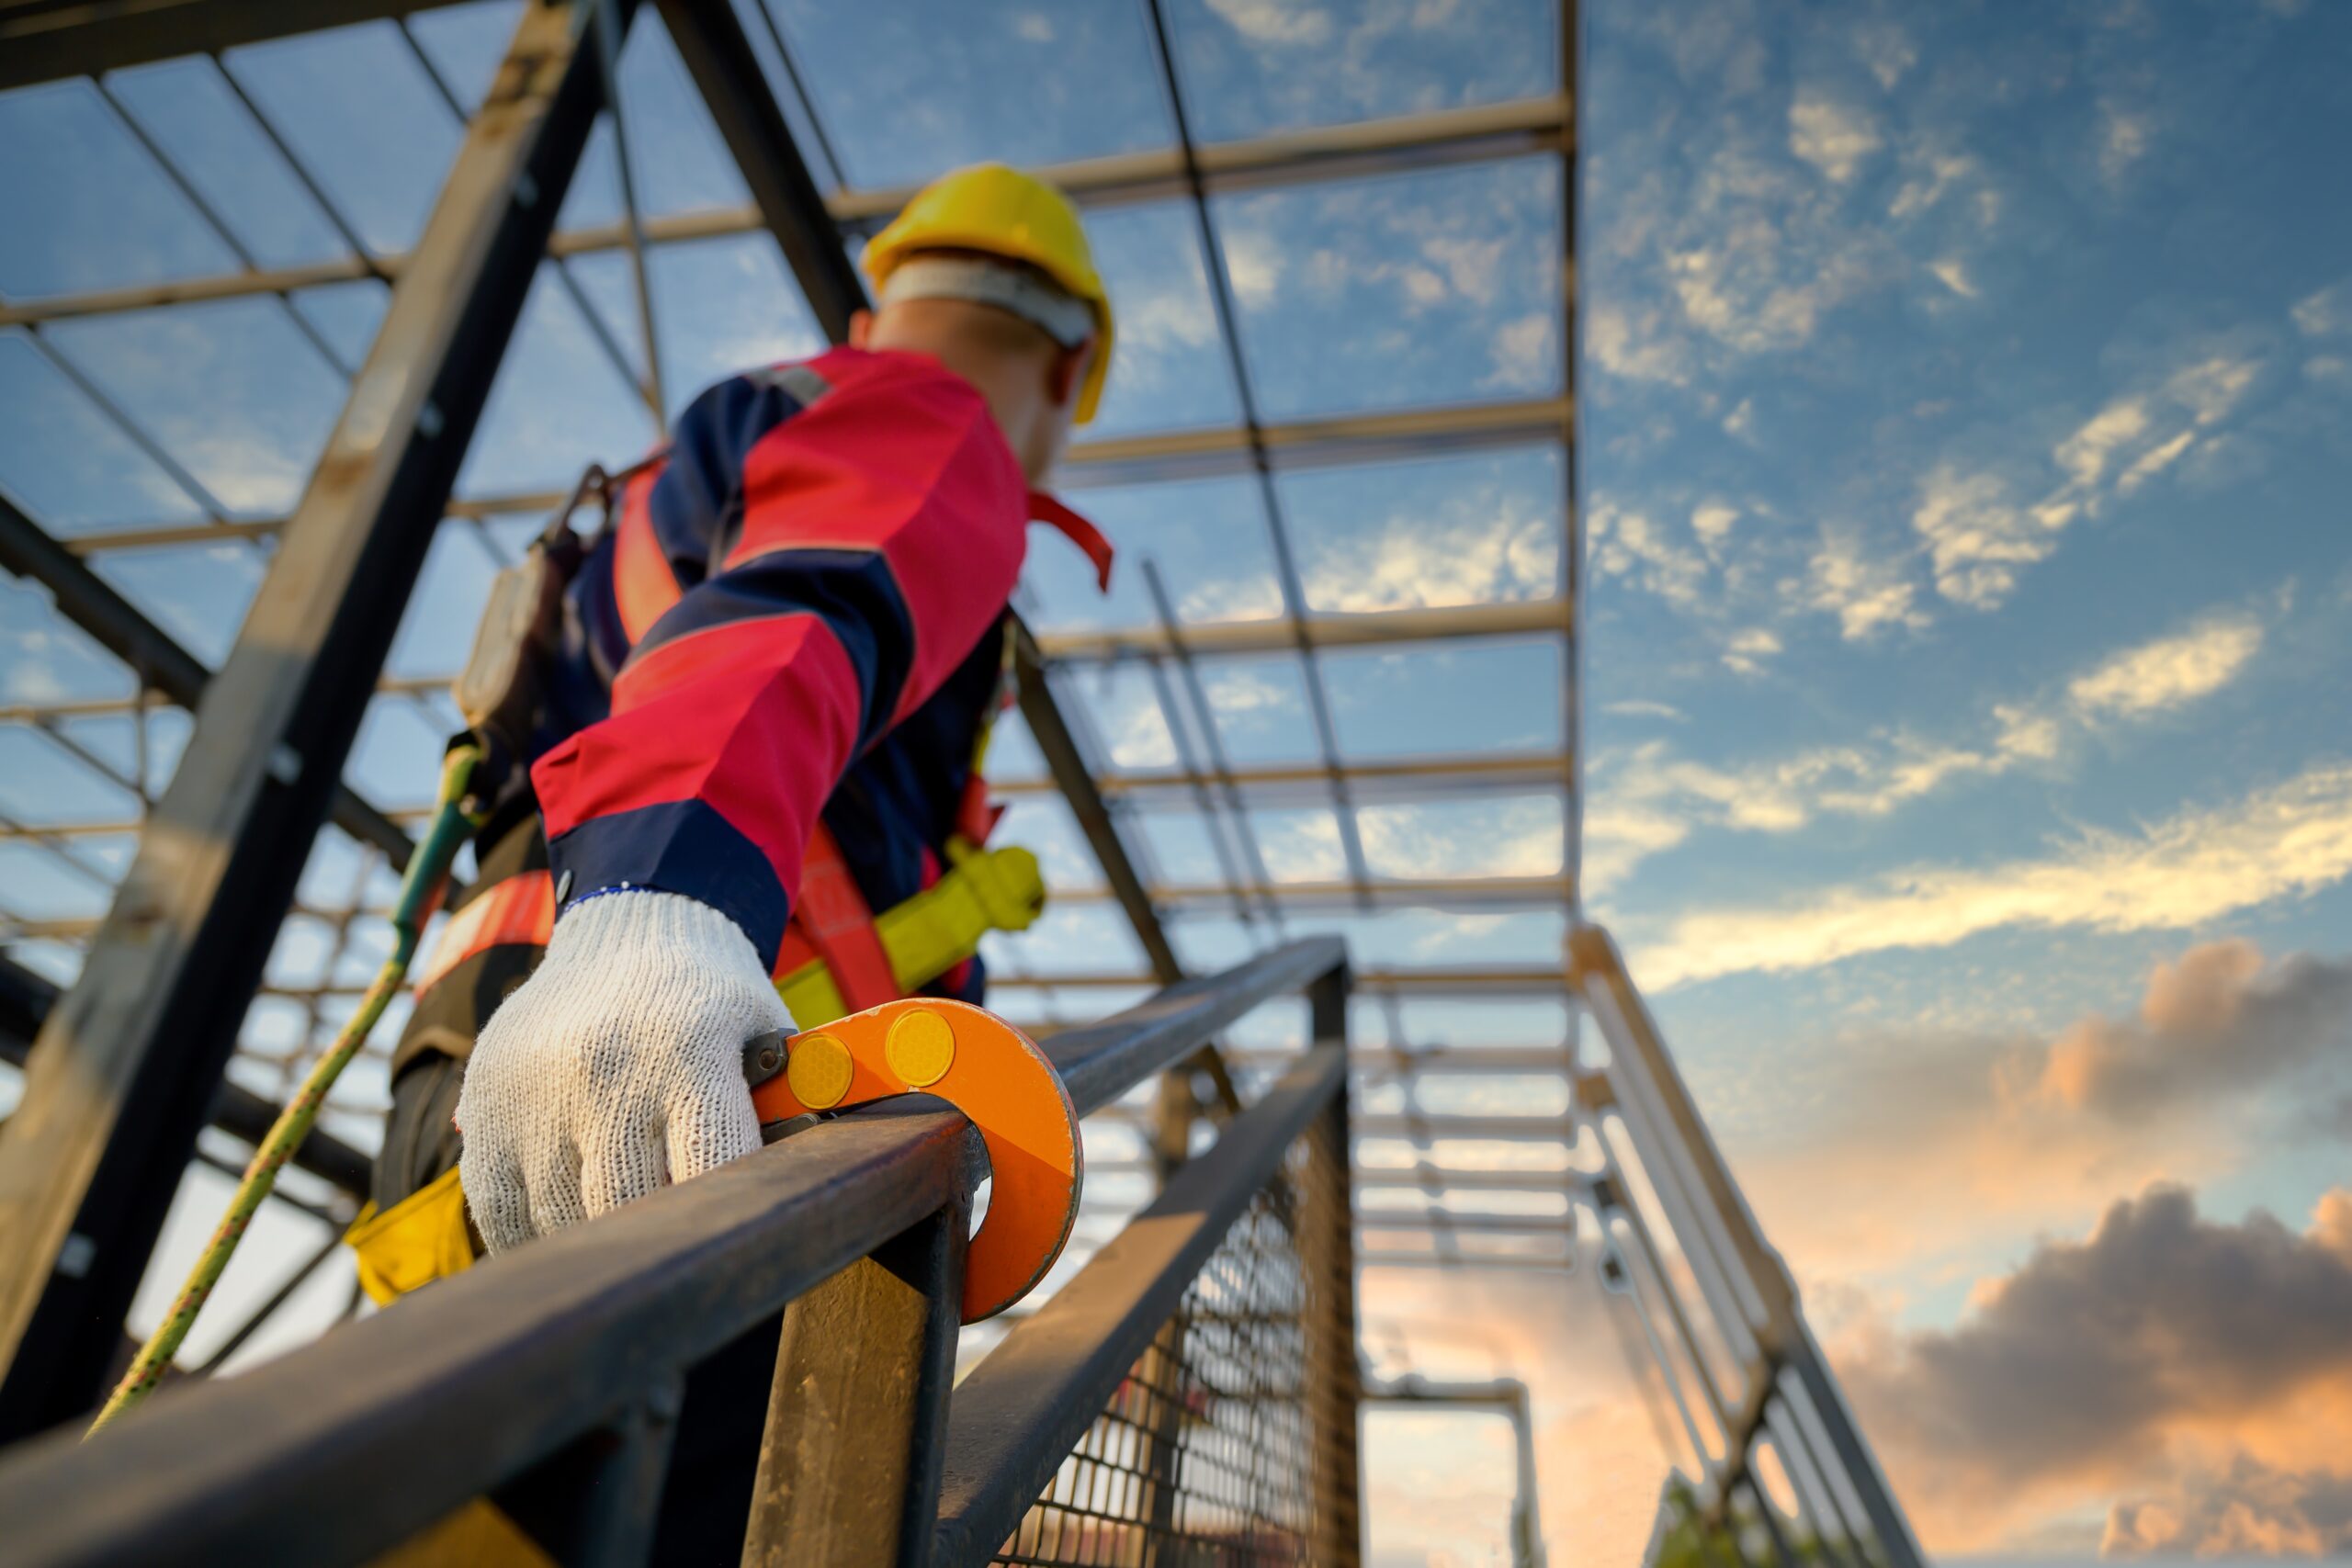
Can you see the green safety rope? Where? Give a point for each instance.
(428, 869)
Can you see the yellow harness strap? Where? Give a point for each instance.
(422, 1237)
(984, 890)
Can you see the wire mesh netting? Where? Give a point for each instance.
(1232, 1439)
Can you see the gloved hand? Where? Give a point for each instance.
(617, 1067)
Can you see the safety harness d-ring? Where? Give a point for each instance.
(993, 1074)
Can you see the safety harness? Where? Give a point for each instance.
(837, 957)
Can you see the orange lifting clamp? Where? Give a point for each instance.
(984, 1068)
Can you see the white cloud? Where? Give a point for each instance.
(1747, 651)
(1976, 538)
(1235, 690)
(1932, 174)
(1886, 49)
(1952, 274)
(1474, 267)
(2289, 840)
(1711, 521)
(1631, 546)
(1739, 295)
(1248, 597)
(2170, 672)
(1868, 594)
(1300, 846)
(1523, 836)
(1654, 799)
(1641, 707)
(1138, 738)
(1635, 347)
(1275, 21)
(1253, 260)
(1488, 545)
(1834, 138)
(2084, 455)
(2123, 140)
(2326, 313)
(2153, 461)
(1980, 535)
(2212, 387)
(1523, 352)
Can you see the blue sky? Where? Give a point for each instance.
(1965, 403)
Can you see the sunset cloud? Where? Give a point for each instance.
(2216, 1021)
(2001, 1134)
(2074, 1374)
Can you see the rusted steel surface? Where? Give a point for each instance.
(350, 1445)
(1018, 1414)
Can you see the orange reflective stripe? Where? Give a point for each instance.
(520, 909)
(643, 584)
(793, 951)
(832, 917)
(1057, 515)
(976, 815)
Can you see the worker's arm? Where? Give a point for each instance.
(867, 536)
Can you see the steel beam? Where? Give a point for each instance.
(43, 40)
(1319, 442)
(1539, 618)
(1070, 770)
(89, 601)
(127, 1063)
(1448, 136)
(712, 43)
(1407, 778)
(1434, 979)
(1350, 438)
(1480, 892)
(25, 1000)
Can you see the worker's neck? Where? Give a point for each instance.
(1013, 388)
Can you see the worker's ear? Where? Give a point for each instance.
(861, 327)
(1068, 369)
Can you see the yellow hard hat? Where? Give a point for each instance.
(1000, 211)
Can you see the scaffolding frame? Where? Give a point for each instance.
(110, 1116)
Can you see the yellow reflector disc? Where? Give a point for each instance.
(921, 1048)
(818, 1070)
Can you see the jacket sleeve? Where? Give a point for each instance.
(865, 523)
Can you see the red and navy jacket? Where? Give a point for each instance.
(799, 610)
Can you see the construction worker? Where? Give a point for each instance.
(758, 724)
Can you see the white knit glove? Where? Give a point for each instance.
(617, 1067)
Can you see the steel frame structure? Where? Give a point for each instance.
(854, 1228)
(109, 1117)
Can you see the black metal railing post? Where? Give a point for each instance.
(1327, 1249)
(849, 1464)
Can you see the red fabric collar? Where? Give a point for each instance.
(1043, 508)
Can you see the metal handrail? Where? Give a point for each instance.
(1789, 1391)
(510, 1364)
(1021, 1409)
